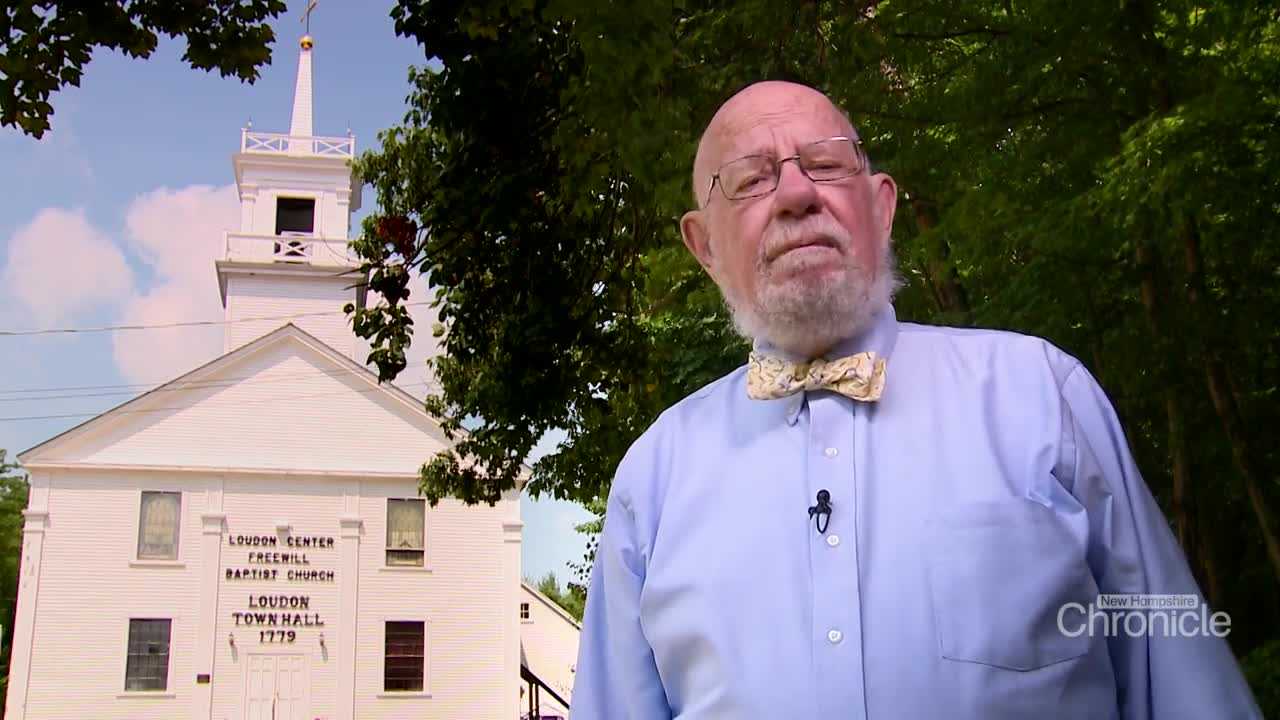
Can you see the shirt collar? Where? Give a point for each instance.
(879, 338)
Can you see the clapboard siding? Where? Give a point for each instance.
(275, 296)
(285, 406)
(461, 595)
(89, 589)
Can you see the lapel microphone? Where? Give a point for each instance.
(823, 508)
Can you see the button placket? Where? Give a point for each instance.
(836, 604)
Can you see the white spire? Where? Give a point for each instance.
(300, 126)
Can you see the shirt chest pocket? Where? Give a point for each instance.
(1000, 573)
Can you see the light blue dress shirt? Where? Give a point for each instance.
(990, 485)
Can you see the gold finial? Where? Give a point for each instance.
(307, 42)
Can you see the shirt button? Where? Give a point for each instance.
(833, 540)
(834, 636)
(831, 452)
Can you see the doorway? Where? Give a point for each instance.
(277, 687)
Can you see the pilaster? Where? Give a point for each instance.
(212, 525)
(33, 533)
(350, 529)
(512, 539)
(248, 201)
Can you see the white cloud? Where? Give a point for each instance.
(179, 233)
(61, 269)
(59, 266)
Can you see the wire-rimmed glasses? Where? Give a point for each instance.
(752, 176)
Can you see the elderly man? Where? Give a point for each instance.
(874, 519)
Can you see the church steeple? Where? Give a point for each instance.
(290, 256)
(300, 125)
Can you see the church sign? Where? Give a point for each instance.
(285, 612)
(259, 557)
(278, 617)
(273, 541)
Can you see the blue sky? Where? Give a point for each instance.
(86, 212)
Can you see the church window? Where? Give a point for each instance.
(404, 662)
(406, 520)
(524, 611)
(158, 522)
(147, 665)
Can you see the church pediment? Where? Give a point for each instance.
(285, 402)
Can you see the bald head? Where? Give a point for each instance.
(806, 262)
(756, 105)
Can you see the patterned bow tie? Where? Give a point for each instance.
(859, 376)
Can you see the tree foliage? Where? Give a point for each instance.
(572, 599)
(45, 44)
(1101, 174)
(13, 500)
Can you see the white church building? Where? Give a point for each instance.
(246, 542)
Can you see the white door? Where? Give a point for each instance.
(276, 687)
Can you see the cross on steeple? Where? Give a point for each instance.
(306, 14)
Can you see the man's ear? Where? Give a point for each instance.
(884, 198)
(693, 228)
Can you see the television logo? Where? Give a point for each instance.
(1142, 615)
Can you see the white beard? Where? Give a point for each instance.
(808, 317)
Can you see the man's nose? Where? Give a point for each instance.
(797, 195)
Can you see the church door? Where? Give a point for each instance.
(276, 687)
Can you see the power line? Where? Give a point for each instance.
(191, 323)
(145, 386)
(139, 388)
(62, 388)
(185, 407)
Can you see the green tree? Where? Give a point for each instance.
(572, 599)
(1099, 174)
(45, 44)
(1262, 669)
(13, 500)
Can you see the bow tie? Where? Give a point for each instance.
(859, 376)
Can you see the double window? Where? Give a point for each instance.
(406, 523)
(404, 659)
(158, 523)
(147, 665)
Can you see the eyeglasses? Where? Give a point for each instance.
(754, 176)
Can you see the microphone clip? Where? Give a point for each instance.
(822, 511)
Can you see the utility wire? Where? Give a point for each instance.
(184, 407)
(148, 385)
(138, 388)
(191, 323)
(184, 384)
